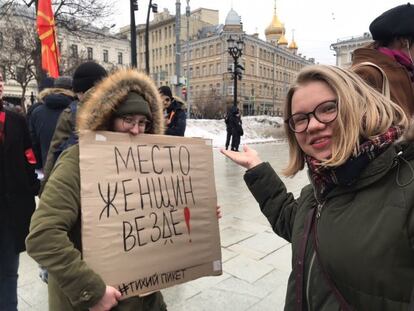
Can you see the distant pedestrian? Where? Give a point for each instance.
(393, 52)
(18, 187)
(228, 129)
(236, 128)
(176, 117)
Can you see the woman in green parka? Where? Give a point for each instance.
(126, 101)
(352, 228)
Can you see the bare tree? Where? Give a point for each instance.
(16, 54)
(210, 105)
(74, 16)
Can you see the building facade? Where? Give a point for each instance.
(270, 66)
(345, 47)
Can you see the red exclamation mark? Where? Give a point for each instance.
(187, 220)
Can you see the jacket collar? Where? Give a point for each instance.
(378, 168)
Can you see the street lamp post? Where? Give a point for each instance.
(133, 8)
(154, 8)
(235, 49)
(187, 94)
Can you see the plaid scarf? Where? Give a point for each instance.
(325, 178)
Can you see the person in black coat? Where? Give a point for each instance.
(235, 126)
(44, 118)
(18, 187)
(176, 118)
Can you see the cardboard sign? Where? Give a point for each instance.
(148, 210)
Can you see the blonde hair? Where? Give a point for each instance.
(362, 113)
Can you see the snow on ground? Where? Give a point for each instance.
(257, 129)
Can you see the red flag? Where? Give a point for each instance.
(47, 36)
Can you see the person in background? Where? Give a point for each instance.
(44, 118)
(176, 117)
(393, 51)
(46, 83)
(18, 188)
(235, 125)
(228, 128)
(85, 77)
(127, 101)
(352, 227)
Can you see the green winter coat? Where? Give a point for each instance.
(365, 233)
(54, 240)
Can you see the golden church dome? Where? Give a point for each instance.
(275, 27)
(293, 45)
(282, 40)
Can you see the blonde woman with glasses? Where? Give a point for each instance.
(352, 227)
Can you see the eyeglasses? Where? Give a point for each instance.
(325, 112)
(130, 123)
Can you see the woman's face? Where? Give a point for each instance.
(133, 124)
(316, 140)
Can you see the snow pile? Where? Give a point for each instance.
(257, 129)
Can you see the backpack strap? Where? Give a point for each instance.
(385, 82)
(73, 111)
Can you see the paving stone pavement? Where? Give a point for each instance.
(256, 262)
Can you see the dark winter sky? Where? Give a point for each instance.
(317, 23)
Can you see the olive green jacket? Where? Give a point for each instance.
(365, 233)
(54, 240)
(55, 243)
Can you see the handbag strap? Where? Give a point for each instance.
(300, 259)
(344, 305)
(385, 82)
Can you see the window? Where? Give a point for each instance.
(105, 56)
(218, 48)
(74, 51)
(90, 53)
(1, 39)
(120, 58)
(218, 69)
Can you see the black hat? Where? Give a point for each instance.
(46, 83)
(394, 23)
(134, 104)
(165, 90)
(86, 76)
(63, 82)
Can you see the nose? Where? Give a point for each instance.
(134, 130)
(314, 124)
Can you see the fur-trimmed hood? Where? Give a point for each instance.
(54, 90)
(97, 111)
